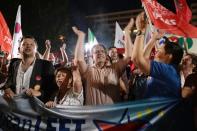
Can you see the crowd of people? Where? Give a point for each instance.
(112, 77)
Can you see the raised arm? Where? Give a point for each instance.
(138, 56)
(48, 50)
(79, 50)
(128, 46)
(64, 56)
(151, 43)
(77, 84)
(128, 41)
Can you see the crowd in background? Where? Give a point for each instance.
(112, 78)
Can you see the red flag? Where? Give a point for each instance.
(5, 36)
(182, 10)
(166, 20)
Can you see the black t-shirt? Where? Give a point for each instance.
(191, 82)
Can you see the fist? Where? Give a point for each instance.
(48, 44)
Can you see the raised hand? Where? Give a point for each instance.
(77, 31)
(129, 25)
(140, 22)
(48, 44)
(157, 35)
(63, 46)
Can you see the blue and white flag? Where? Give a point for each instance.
(31, 114)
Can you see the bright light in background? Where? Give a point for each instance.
(88, 46)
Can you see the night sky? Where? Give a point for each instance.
(49, 19)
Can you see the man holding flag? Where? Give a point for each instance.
(162, 18)
(163, 70)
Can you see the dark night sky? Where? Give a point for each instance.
(32, 8)
(47, 18)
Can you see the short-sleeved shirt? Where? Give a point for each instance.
(164, 81)
(102, 85)
(71, 98)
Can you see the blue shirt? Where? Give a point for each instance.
(164, 81)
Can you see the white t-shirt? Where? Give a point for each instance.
(23, 78)
(72, 98)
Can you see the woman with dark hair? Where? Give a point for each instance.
(70, 87)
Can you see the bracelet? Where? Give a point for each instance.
(139, 32)
(158, 38)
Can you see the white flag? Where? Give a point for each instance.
(119, 37)
(91, 40)
(148, 33)
(17, 34)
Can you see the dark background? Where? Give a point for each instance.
(49, 19)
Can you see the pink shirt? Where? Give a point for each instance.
(102, 85)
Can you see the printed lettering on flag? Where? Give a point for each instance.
(167, 21)
(31, 114)
(5, 36)
(182, 10)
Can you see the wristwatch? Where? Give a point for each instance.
(139, 32)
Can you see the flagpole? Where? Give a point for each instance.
(149, 21)
(152, 28)
(185, 45)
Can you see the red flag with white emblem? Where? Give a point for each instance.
(17, 34)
